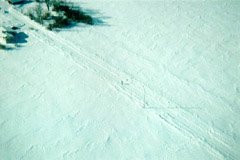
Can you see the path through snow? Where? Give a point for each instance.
(146, 86)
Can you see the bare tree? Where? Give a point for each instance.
(48, 3)
(39, 14)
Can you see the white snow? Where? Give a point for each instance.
(157, 80)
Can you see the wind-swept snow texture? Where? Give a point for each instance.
(157, 80)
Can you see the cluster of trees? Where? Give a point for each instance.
(59, 14)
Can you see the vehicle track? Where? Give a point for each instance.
(215, 142)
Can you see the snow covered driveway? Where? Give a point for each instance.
(160, 80)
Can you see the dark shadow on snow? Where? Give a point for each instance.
(76, 15)
(19, 38)
(98, 18)
(4, 47)
(22, 3)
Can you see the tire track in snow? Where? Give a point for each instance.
(224, 141)
(214, 144)
(147, 62)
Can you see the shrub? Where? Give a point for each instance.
(30, 13)
(46, 16)
(39, 14)
(36, 14)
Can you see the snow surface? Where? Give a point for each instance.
(157, 80)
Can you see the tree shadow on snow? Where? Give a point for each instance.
(98, 18)
(17, 41)
(95, 16)
(19, 38)
(22, 3)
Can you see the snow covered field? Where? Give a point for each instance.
(157, 80)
